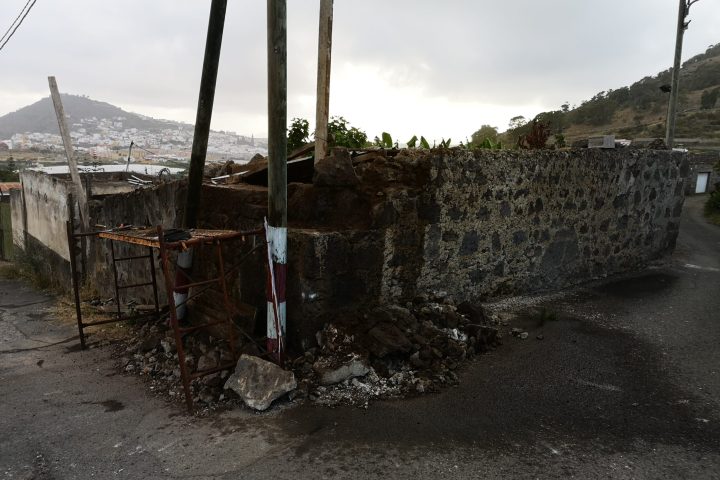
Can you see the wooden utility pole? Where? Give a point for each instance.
(684, 9)
(203, 118)
(277, 172)
(323, 79)
(72, 164)
(204, 111)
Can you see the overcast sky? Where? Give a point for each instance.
(425, 67)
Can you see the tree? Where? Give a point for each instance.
(485, 132)
(297, 134)
(517, 122)
(342, 135)
(709, 99)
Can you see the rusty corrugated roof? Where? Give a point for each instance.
(5, 187)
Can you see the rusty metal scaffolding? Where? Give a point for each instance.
(156, 239)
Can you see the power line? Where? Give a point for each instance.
(18, 25)
(14, 21)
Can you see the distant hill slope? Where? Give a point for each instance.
(640, 110)
(40, 116)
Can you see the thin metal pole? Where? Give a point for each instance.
(154, 281)
(74, 274)
(169, 288)
(204, 110)
(115, 278)
(277, 164)
(323, 79)
(226, 298)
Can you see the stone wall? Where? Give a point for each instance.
(474, 224)
(523, 221)
(487, 223)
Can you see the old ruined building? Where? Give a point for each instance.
(370, 233)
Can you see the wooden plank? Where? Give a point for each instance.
(72, 163)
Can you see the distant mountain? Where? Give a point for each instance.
(40, 117)
(640, 110)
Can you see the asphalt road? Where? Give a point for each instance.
(624, 384)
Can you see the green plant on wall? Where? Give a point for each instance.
(343, 135)
(298, 134)
(386, 141)
(412, 143)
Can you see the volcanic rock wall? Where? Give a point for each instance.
(474, 224)
(487, 223)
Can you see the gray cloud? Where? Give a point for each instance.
(148, 54)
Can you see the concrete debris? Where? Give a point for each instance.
(392, 351)
(330, 372)
(150, 352)
(259, 382)
(519, 333)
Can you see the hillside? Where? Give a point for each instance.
(40, 117)
(639, 111)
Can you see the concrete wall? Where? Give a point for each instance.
(47, 205)
(39, 213)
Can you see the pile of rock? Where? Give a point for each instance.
(150, 352)
(386, 351)
(393, 351)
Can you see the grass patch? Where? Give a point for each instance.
(9, 271)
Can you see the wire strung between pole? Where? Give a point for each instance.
(14, 21)
(18, 25)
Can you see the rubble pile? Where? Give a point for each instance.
(150, 352)
(384, 352)
(392, 351)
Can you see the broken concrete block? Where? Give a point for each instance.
(259, 382)
(386, 338)
(335, 170)
(331, 372)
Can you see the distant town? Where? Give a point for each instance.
(106, 138)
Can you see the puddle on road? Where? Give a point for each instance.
(109, 405)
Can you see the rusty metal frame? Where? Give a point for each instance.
(155, 239)
(73, 251)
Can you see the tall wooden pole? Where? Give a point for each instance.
(323, 79)
(206, 98)
(683, 11)
(672, 105)
(203, 118)
(72, 163)
(277, 172)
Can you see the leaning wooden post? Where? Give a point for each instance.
(323, 79)
(206, 98)
(203, 118)
(72, 164)
(277, 173)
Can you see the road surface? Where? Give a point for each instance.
(625, 384)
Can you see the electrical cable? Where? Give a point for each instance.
(14, 21)
(17, 25)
